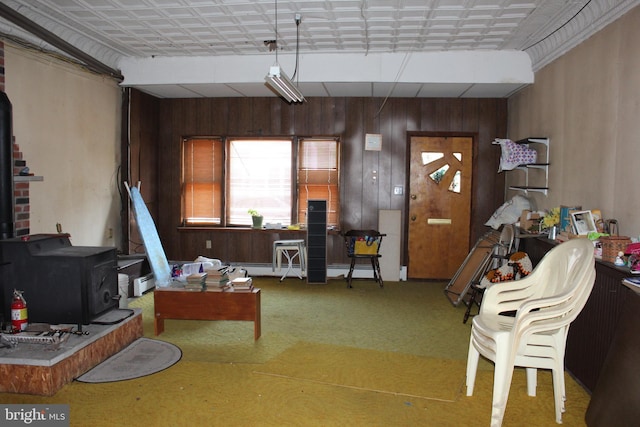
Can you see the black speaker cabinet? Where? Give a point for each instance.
(62, 283)
(317, 241)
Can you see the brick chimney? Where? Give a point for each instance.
(20, 186)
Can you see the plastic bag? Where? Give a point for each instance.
(509, 212)
(514, 155)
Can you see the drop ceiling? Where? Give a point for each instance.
(397, 48)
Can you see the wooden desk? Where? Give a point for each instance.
(172, 303)
(614, 399)
(591, 334)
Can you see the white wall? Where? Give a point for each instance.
(66, 122)
(588, 103)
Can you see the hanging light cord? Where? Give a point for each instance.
(277, 32)
(295, 71)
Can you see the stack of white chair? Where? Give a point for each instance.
(525, 323)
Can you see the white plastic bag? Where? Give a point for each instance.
(509, 212)
(514, 155)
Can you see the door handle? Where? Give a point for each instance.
(439, 221)
(413, 197)
(413, 217)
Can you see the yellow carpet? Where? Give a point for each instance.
(213, 394)
(368, 370)
(328, 356)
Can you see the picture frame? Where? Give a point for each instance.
(583, 222)
(598, 220)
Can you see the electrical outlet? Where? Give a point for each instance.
(208, 244)
(110, 233)
(398, 190)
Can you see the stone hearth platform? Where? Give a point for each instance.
(42, 370)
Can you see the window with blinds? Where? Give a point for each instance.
(202, 180)
(223, 178)
(318, 176)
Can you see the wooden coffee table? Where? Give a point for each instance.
(176, 303)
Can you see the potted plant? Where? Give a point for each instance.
(257, 218)
(550, 222)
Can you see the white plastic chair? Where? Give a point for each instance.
(545, 303)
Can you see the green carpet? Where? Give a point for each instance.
(369, 370)
(328, 356)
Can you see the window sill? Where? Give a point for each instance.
(248, 229)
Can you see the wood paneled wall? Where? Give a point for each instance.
(157, 126)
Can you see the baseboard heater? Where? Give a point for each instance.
(143, 284)
(333, 270)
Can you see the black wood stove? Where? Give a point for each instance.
(62, 284)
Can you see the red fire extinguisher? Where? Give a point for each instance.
(19, 317)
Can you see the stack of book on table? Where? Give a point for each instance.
(217, 280)
(196, 281)
(242, 284)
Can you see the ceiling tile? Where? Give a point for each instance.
(114, 29)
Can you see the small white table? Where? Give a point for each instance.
(290, 249)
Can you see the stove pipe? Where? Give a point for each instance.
(6, 169)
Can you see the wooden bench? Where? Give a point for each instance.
(177, 303)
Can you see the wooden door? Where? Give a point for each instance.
(439, 205)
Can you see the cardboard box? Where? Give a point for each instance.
(529, 221)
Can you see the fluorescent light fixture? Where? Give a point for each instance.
(278, 81)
